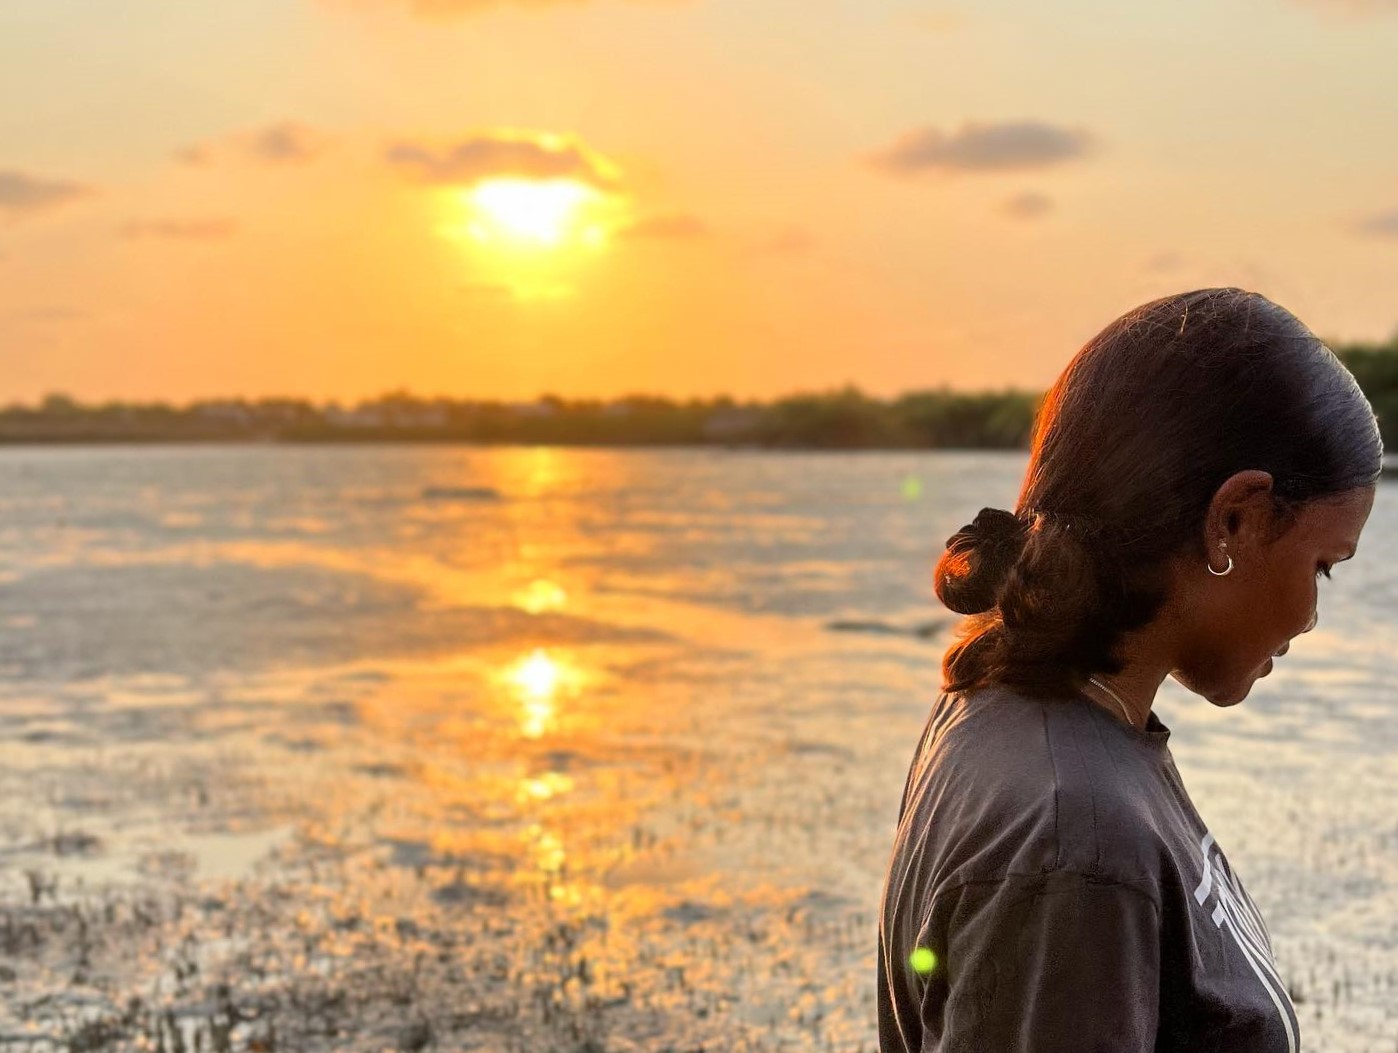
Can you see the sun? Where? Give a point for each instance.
(535, 237)
(523, 213)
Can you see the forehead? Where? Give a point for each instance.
(1336, 521)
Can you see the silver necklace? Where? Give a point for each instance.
(1124, 711)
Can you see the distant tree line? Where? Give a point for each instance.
(844, 418)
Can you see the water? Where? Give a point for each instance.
(512, 749)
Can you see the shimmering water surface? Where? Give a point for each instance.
(537, 749)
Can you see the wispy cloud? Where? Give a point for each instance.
(677, 227)
(37, 326)
(1378, 225)
(285, 142)
(24, 195)
(495, 155)
(47, 315)
(1028, 205)
(281, 143)
(1164, 262)
(982, 147)
(789, 240)
(179, 229)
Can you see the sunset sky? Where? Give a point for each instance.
(484, 198)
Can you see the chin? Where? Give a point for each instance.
(1221, 695)
(1223, 701)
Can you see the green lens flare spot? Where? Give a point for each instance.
(912, 488)
(923, 960)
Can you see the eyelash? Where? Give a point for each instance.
(1323, 570)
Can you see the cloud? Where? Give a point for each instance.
(179, 229)
(787, 241)
(1028, 205)
(1165, 262)
(980, 147)
(1379, 225)
(47, 315)
(495, 155)
(196, 155)
(37, 325)
(677, 227)
(282, 143)
(25, 195)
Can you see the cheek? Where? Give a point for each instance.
(1283, 606)
(1303, 606)
(1264, 619)
(1243, 631)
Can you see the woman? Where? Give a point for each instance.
(1196, 468)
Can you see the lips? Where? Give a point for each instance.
(1285, 647)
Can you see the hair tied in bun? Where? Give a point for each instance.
(978, 559)
(996, 526)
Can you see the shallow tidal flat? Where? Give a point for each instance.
(403, 748)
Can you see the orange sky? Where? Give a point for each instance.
(500, 198)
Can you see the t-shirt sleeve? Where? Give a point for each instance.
(1048, 963)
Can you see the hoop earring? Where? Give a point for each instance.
(1226, 570)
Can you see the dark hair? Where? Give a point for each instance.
(1129, 447)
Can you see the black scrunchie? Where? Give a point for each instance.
(985, 549)
(995, 526)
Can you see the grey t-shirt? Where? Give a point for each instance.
(1052, 888)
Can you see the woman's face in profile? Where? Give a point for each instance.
(1271, 598)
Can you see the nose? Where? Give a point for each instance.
(1312, 623)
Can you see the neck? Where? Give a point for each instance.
(1148, 654)
(1110, 697)
(1136, 685)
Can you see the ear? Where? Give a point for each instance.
(1239, 516)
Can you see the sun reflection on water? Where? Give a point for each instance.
(536, 676)
(536, 680)
(542, 787)
(548, 848)
(540, 595)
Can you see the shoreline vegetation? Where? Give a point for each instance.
(843, 418)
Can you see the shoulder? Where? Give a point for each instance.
(1005, 784)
